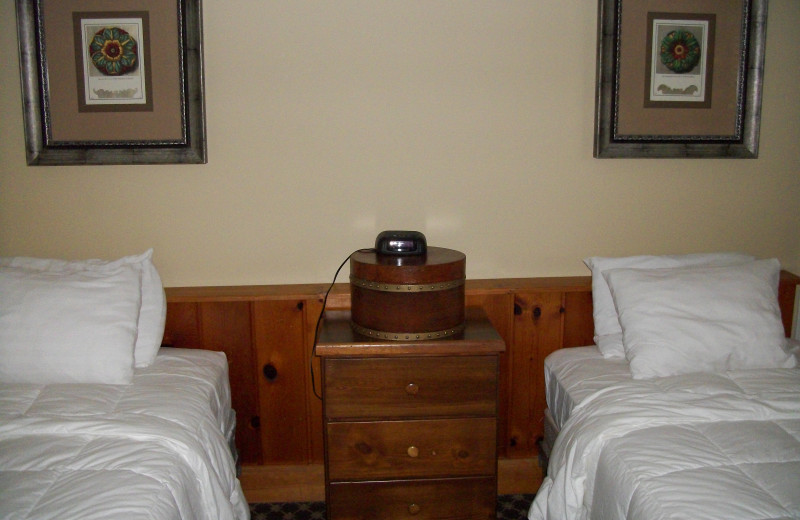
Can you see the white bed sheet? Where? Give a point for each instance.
(572, 374)
(157, 448)
(690, 446)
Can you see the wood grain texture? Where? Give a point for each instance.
(787, 289)
(224, 318)
(281, 381)
(338, 338)
(437, 265)
(414, 412)
(499, 308)
(410, 386)
(468, 499)
(306, 482)
(538, 326)
(383, 449)
(224, 327)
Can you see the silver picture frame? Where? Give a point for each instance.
(626, 128)
(48, 105)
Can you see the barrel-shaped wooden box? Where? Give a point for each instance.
(408, 298)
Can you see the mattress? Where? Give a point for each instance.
(156, 448)
(689, 446)
(572, 374)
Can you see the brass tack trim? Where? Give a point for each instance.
(408, 336)
(406, 288)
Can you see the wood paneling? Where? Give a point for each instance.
(537, 331)
(281, 380)
(499, 307)
(578, 321)
(280, 421)
(786, 298)
(226, 327)
(312, 309)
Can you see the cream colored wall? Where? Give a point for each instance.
(471, 121)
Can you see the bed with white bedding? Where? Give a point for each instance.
(572, 374)
(158, 447)
(96, 420)
(715, 434)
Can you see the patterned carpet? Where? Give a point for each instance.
(509, 507)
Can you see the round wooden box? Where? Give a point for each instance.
(408, 298)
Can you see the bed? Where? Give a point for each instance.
(97, 421)
(688, 406)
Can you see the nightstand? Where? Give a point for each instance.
(410, 427)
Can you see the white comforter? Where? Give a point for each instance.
(692, 446)
(154, 449)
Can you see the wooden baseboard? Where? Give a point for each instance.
(302, 483)
(518, 476)
(306, 483)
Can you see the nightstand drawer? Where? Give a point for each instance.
(463, 499)
(410, 387)
(404, 449)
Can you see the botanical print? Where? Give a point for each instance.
(112, 51)
(680, 51)
(679, 59)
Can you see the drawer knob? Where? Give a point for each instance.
(413, 452)
(413, 509)
(412, 389)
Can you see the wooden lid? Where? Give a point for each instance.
(437, 265)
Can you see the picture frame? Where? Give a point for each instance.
(97, 89)
(679, 79)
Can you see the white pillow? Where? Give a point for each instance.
(607, 331)
(700, 319)
(153, 314)
(77, 327)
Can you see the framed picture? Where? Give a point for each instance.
(112, 59)
(679, 78)
(680, 56)
(112, 82)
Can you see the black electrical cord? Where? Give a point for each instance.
(322, 312)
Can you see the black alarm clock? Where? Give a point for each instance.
(400, 243)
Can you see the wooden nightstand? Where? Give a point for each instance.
(410, 428)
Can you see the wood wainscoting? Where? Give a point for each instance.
(267, 333)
